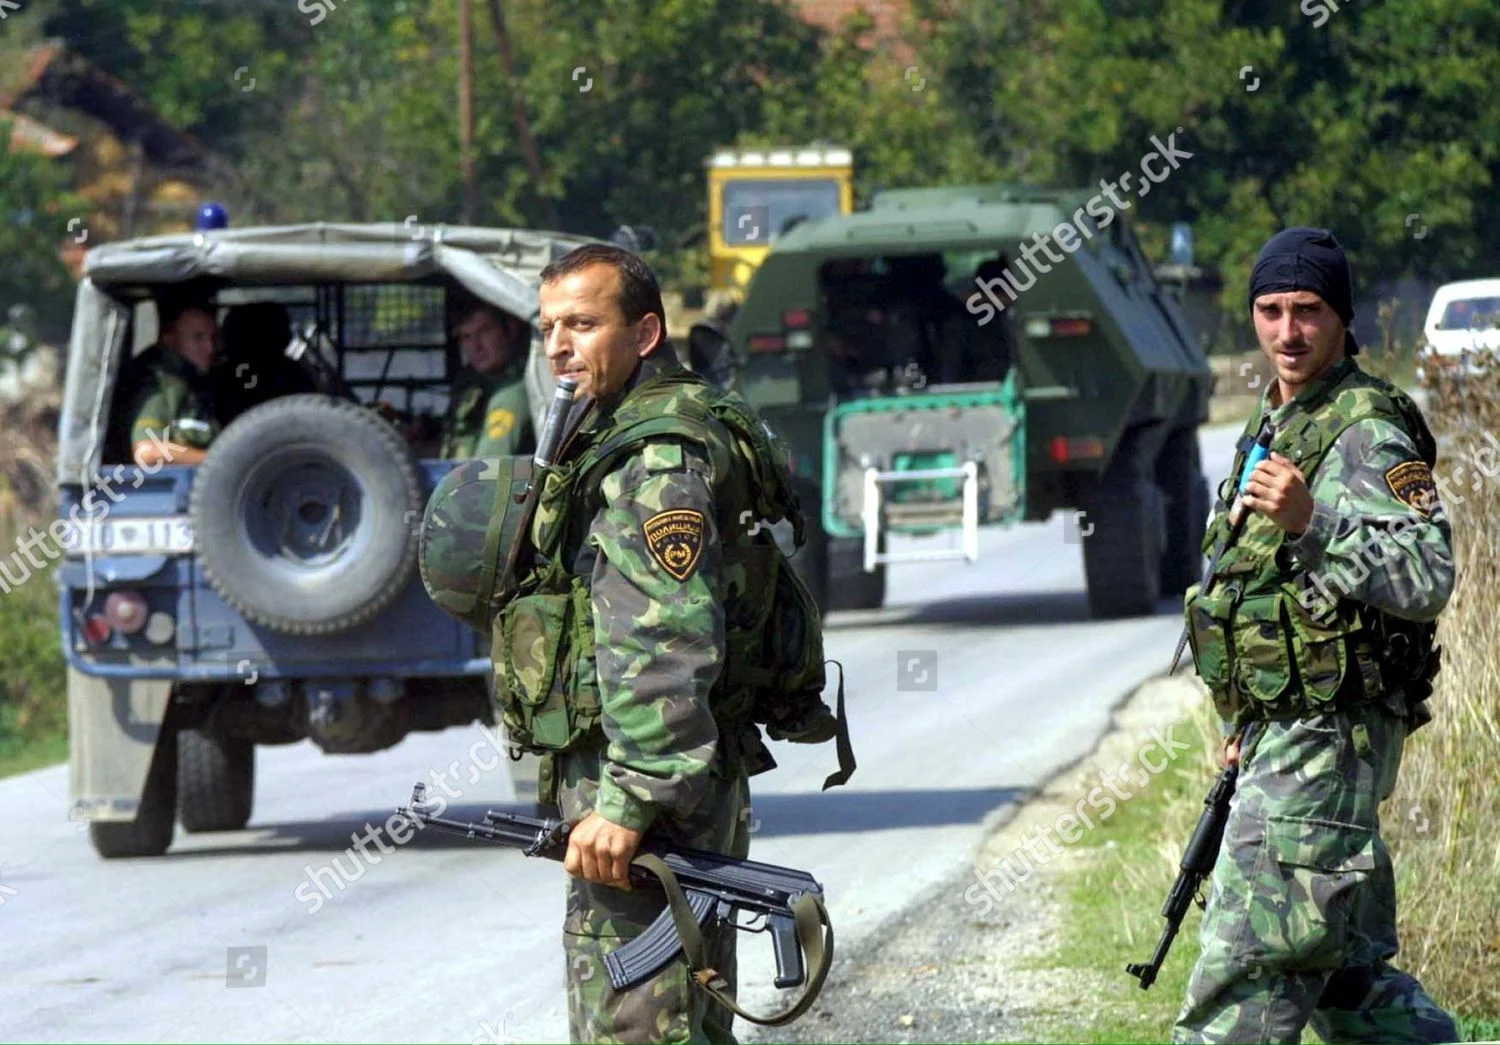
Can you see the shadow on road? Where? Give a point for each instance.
(776, 815)
(987, 611)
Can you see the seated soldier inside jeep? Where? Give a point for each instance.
(489, 414)
(171, 414)
(254, 366)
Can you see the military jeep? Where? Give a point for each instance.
(921, 397)
(269, 594)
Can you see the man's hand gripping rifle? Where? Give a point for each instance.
(702, 889)
(1238, 513)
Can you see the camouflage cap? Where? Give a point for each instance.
(470, 521)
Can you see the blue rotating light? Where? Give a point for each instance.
(212, 216)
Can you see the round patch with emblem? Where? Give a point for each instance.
(1413, 485)
(499, 423)
(675, 540)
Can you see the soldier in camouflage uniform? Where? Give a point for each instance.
(1318, 636)
(651, 740)
(170, 414)
(489, 415)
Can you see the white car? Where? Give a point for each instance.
(1462, 323)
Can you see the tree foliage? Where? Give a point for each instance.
(1377, 120)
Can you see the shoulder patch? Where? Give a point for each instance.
(1413, 485)
(662, 457)
(499, 423)
(675, 540)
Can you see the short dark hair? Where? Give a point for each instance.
(256, 327)
(640, 294)
(463, 306)
(170, 308)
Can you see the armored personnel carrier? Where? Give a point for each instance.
(968, 356)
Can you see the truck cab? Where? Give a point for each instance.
(755, 196)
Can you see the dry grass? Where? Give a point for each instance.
(1443, 822)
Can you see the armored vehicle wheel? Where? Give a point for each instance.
(215, 781)
(833, 567)
(150, 833)
(302, 515)
(1122, 549)
(849, 586)
(811, 560)
(1179, 473)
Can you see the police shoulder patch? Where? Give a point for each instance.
(675, 540)
(1413, 485)
(500, 422)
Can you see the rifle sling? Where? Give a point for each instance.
(844, 748)
(807, 912)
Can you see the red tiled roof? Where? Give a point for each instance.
(26, 135)
(829, 15)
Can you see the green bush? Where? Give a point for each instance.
(33, 683)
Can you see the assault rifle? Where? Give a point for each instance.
(1197, 864)
(1238, 513)
(702, 888)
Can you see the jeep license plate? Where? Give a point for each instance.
(148, 535)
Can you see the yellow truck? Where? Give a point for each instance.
(755, 195)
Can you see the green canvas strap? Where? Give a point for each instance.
(814, 936)
(845, 749)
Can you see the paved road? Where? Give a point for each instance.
(443, 941)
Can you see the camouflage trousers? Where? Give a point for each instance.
(1301, 917)
(668, 1007)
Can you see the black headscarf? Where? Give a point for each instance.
(1307, 259)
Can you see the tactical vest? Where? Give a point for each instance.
(1268, 641)
(546, 679)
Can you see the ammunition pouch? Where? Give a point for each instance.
(546, 680)
(1266, 655)
(1412, 661)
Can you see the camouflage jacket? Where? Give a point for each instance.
(489, 415)
(648, 537)
(169, 390)
(1296, 622)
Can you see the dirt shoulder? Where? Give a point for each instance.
(970, 963)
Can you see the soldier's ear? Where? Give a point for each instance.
(649, 333)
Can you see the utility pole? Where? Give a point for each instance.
(466, 109)
(518, 105)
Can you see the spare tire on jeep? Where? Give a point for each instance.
(303, 513)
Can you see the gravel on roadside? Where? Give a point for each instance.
(957, 968)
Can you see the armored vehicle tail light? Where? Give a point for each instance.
(766, 343)
(1086, 448)
(797, 319)
(1059, 326)
(96, 630)
(126, 611)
